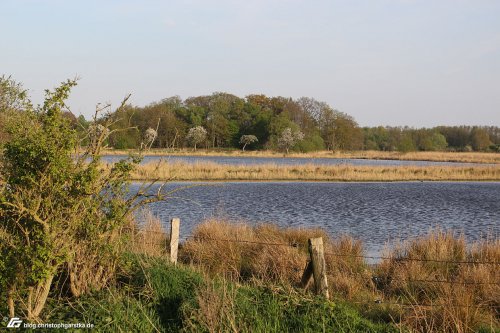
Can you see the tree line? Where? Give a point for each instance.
(223, 120)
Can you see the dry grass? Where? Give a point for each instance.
(149, 237)
(282, 263)
(462, 304)
(216, 310)
(439, 288)
(209, 171)
(471, 157)
(464, 300)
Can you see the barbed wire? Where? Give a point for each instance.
(471, 262)
(298, 245)
(375, 278)
(378, 279)
(294, 245)
(413, 305)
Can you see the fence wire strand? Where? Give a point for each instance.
(297, 245)
(375, 278)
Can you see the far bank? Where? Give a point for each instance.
(464, 157)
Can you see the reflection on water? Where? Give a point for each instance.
(376, 213)
(232, 160)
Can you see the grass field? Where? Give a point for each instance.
(209, 171)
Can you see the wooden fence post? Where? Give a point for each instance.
(174, 238)
(307, 275)
(318, 266)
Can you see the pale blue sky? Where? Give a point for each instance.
(385, 62)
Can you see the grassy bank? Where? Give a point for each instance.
(209, 171)
(154, 296)
(466, 157)
(437, 283)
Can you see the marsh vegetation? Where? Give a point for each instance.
(72, 249)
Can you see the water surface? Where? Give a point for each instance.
(376, 213)
(237, 160)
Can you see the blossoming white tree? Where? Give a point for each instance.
(288, 138)
(197, 135)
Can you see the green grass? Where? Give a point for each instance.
(265, 310)
(159, 297)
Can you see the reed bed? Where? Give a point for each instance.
(441, 156)
(428, 284)
(209, 171)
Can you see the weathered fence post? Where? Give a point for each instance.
(174, 238)
(307, 275)
(318, 266)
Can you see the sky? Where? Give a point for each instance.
(420, 63)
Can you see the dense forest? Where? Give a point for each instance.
(262, 122)
(223, 120)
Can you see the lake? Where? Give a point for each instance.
(236, 160)
(376, 213)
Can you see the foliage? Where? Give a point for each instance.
(226, 118)
(247, 140)
(37, 211)
(480, 139)
(60, 212)
(454, 138)
(311, 143)
(12, 99)
(12, 95)
(197, 135)
(288, 139)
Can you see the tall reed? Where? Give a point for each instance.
(205, 171)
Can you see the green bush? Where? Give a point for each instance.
(310, 143)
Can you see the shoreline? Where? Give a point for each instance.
(283, 181)
(452, 157)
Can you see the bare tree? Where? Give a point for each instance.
(248, 139)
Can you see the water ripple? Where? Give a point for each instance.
(376, 213)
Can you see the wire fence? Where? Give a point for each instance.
(297, 245)
(495, 307)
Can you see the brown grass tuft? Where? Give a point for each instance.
(217, 248)
(465, 298)
(216, 310)
(348, 273)
(149, 237)
(422, 295)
